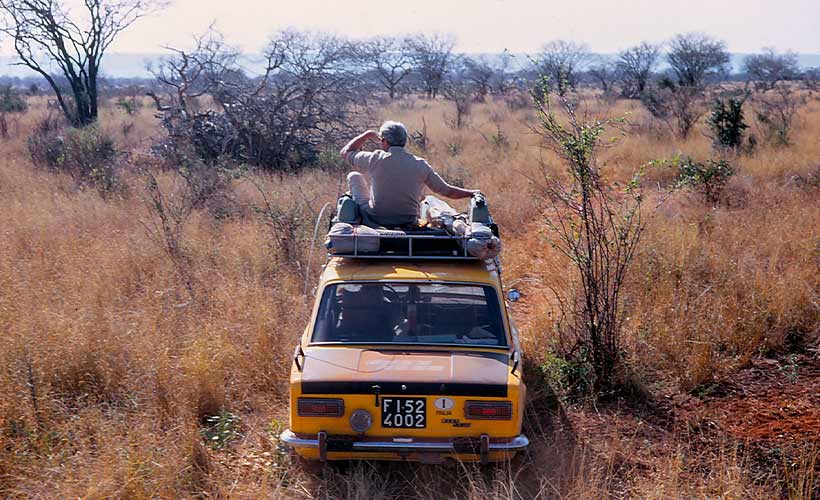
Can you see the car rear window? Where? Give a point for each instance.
(407, 313)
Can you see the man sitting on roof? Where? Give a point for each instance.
(397, 178)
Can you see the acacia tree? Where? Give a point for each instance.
(190, 74)
(560, 61)
(696, 57)
(389, 58)
(480, 72)
(45, 34)
(765, 70)
(606, 73)
(678, 106)
(776, 111)
(459, 89)
(306, 99)
(504, 78)
(433, 56)
(636, 64)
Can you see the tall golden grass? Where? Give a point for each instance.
(110, 368)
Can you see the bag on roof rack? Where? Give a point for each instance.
(443, 233)
(344, 238)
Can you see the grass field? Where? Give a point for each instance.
(112, 365)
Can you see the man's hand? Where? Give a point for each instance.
(458, 193)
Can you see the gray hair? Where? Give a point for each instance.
(394, 133)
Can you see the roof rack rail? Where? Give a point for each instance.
(444, 234)
(393, 244)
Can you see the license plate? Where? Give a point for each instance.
(404, 413)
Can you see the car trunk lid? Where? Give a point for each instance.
(334, 370)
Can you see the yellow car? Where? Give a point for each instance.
(407, 359)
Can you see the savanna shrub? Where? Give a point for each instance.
(87, 154)
(11, 101)
(205, 137)
(130, 104)
(213, 135)
(776, 113)
(571, 375)
(45, 145)
(202, 150)
(727, 123)
(518, 101)
(709, 178)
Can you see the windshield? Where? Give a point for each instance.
(407, 313)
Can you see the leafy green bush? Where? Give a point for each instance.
(708, 178)
(727, 123)
(572, 376)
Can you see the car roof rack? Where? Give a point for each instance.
(423, 243)
(444, 234)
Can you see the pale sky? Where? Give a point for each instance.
(489, 25)
(492, 25)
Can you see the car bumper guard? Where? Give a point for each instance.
(482, 446)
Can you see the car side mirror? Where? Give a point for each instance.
(513, 295)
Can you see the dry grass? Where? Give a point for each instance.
(111, 368)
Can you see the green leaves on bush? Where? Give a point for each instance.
(708, 178)
(727, 123)
(572, 376)
(220, 430)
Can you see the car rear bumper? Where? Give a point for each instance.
(482, 446)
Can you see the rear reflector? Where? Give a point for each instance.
(488, 410)
(320, 407)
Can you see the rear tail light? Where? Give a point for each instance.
(488, 410)
(320, 407)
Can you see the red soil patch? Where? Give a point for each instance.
(773, 400)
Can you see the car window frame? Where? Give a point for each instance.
(502, 307)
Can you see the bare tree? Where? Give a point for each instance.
(810, 78)
(679, 107)
(636, 65)
(190, 74)
(696, 57)
(433, 55)
(503, 80)
(390, 59)
(605, 73)
(45, 35)
(560, 60)
(765, 70)
(305, 100)
(480, 72)
(776, 111)
(458, 89)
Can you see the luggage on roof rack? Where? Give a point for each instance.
(443, 234)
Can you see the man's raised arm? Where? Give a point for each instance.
(357, 142)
